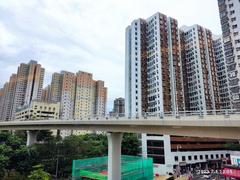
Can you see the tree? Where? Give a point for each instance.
(14, 175)
(14, 155)
(38, 173)
(130, 144)
(45, 135)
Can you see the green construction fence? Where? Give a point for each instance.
(132, 168)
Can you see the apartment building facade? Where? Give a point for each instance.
(221, 66)
(85, 96)
(79, 95)
(229, 11)
(199, 66)
(29, 84)
(169, 70)
(153, 76)
(100, 99)
(46, 94)
(22, 88)
(118, 107)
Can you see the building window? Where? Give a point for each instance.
(201, 157)
(195, 157)
(189, 158)
(211, 156)
(183, 158)
(217, 156)
(176, 158)
(232, 12)
(234, 26)
(206, 156)
(233, 19)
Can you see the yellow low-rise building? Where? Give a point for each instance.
(39, 111)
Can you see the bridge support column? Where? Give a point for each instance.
(114, 155)
(31, 137)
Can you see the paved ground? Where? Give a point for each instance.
(212, 177)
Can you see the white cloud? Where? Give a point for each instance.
(84, 35)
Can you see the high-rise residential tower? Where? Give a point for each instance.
(168, 70)
(8, 98)
(79, 95)
(100, 99)
(229, 11)
(63, 91)
(118, 107)
(153, 76)
(199, 67)
(46, 94)
(56, 87)
(21, 89)
(85, 96)
(224, 92)
(29, 84)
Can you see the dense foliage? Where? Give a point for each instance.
(53, 156)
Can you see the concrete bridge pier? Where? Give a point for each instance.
(31, 137)
(114, 155)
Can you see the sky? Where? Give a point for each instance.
(86, 35)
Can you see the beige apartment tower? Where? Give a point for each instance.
(29, 83)
(22, 89)
(46, 94)
(85, 96)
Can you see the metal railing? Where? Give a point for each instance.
(181, 115)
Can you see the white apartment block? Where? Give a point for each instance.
(199, 66)
(168, 70)
(224, 91)
(153, 79)
(153, 74)
(229, 11)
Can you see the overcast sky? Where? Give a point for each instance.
(87, 35)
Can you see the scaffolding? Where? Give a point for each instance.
(132, 168)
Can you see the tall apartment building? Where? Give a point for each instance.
(46, 94)
(199, 66)
(56, 87)
(168, 70)
(118, 107)
(21, 89)
(229, 11)
(100, 99)
(153, 67)
(29, 84)
(153, 76)
(224, 91)
(8, 98)
(63, 91)
(79, 95)
(85, 95)
(2, 102)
